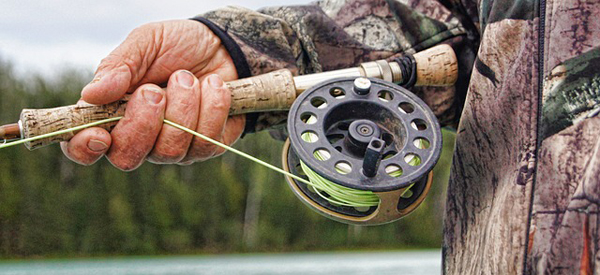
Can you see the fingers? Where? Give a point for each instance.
(135, 135)
(183, 98)
(88, 146)
(123, 67)
(141, 134)
(214, 110)
(233, 130)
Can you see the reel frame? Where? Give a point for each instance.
(376, 102)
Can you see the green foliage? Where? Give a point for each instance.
(51, 206)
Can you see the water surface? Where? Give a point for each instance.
(346, 263)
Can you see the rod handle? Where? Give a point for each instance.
(267, 92)
(436, 66)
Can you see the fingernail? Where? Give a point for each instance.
(152, 95)
(96, 145)
(185, 78)
(215, 81)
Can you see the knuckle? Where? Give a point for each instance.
(130, 66)
(108, 62)
(99, 133)
(142, 29)
(183, 112)
(153, 31)
(170, 153)
(219, 151)
(150, 86)
(221, 106)
(119, 63)
(202, 150)
(204, 147)
(167, 154)
(126, 157)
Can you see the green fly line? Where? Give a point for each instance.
(344, 196)
(328, 190)
(338, 194)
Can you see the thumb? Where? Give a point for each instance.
(121, 69)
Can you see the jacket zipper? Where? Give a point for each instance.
(541, 45)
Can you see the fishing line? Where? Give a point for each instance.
(337, 194)
(57, 133)
(341, 195)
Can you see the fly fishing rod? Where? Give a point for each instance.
(360, 148)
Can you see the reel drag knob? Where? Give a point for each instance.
(367, 147)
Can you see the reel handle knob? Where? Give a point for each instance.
(373, 157)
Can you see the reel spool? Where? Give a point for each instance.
(372, 143)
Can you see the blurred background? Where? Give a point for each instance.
(53, 208)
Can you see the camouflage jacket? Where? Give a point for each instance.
(524, 191)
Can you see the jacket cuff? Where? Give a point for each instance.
(239, 61)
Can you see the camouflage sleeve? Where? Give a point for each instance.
(333, 34)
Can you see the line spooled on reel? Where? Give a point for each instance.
(360, 148)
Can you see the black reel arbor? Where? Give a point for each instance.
(364, 134)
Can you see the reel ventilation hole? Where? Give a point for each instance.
(367, 146)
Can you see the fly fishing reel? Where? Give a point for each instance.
(365, 147)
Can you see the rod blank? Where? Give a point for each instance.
(10, 131)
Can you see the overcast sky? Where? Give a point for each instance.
(40, 35)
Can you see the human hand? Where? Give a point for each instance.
(187, 56)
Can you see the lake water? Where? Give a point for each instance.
(347, 263)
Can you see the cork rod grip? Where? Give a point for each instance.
(268, 92)
(436, 66)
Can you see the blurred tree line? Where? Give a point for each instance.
(50, 206)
